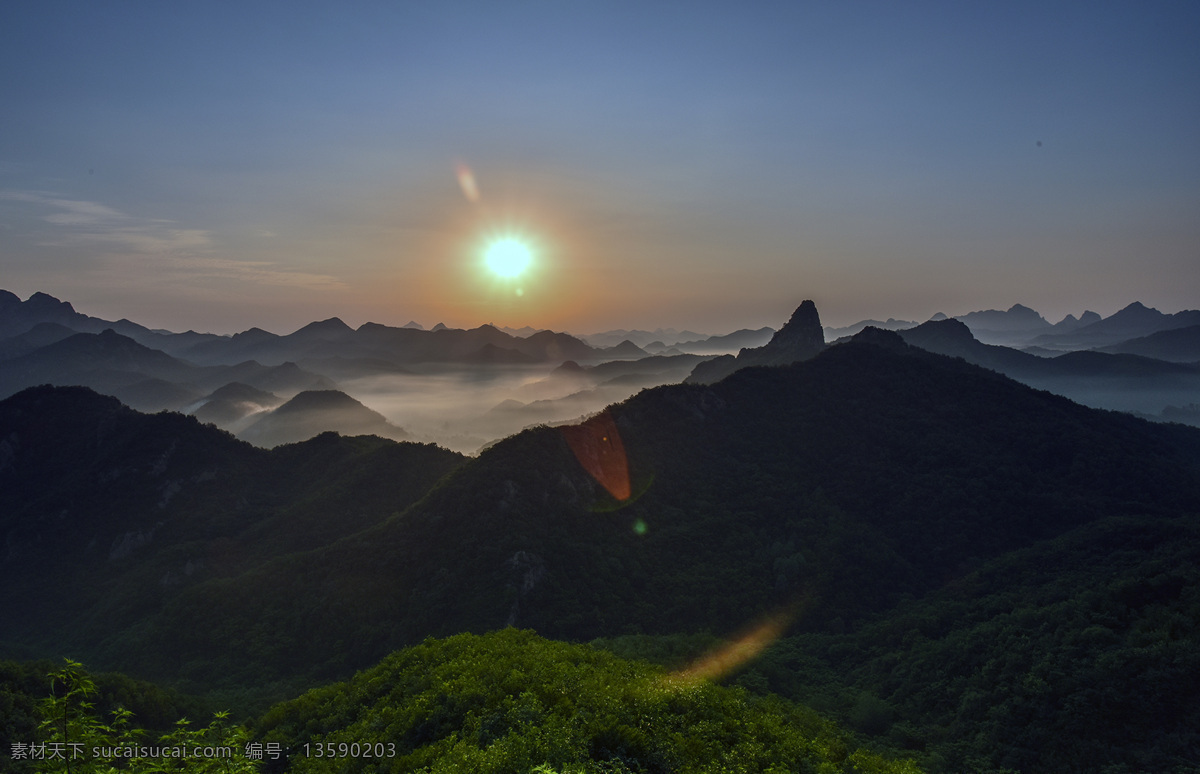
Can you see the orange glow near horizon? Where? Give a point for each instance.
(439, 272)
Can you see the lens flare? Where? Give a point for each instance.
(466, 181)
(597, 445)
(747, 647)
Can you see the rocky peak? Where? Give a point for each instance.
(800, 339)
(802, 336)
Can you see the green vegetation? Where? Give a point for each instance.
(75, 733)
(1080, 654)
(511, 701)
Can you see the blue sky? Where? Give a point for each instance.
(703, 165)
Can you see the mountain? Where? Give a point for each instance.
(321, 332)
(521, 332)
(1114, 381)
(735, 341)
(1134, 321)
(626, 350)
(896, 510)
(845, 457)
(892, 324)
(952, 337)
(229, 407)
(1070, 322)
(104, 361)
(38, 336)
(325, 341)
(491, 355)
(1180, 345)
(17, 317)
(145, 378)
(668, 336)
(106, 514)
(317, 411)
(1016, 318)
(801, 338)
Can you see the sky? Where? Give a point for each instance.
(221, 165)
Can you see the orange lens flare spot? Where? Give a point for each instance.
(717, 664)
(597, 445)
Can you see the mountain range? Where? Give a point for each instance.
(1022, 327)
(902, 513)
(44, 340)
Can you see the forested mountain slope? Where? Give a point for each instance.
(950, 556)
(106, 514)
(837, 487)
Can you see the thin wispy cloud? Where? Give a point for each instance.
(159, 251)
(172, 268)
(81, 222)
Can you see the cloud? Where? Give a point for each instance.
(83, 222)
(153, 250)
(174, 271)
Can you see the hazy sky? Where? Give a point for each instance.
(689, 164)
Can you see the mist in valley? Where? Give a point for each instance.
(467, 408)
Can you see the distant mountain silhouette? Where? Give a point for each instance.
(332, 339)
(626, 350)
(104, 361)
(667, 336)
(892, 324)
(332, 329)
(521, 332)
(1070, 322)
(491, 354)
(1017, 318)
(18, 317)
(230, 405)
(738, 340)
(951, 337)
(317, 411)
(1134, 321)
(145, 378)
(800, 339)
(1181, 345)
(1115, 381)
(38, 336)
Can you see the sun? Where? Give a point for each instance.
(508, 257)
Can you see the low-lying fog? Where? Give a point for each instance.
(467, 408)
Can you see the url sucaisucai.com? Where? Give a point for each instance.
(75, 751)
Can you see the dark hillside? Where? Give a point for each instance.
(106, 514)
(841, 485)
(1077, 654)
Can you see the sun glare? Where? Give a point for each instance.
(508, 257)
